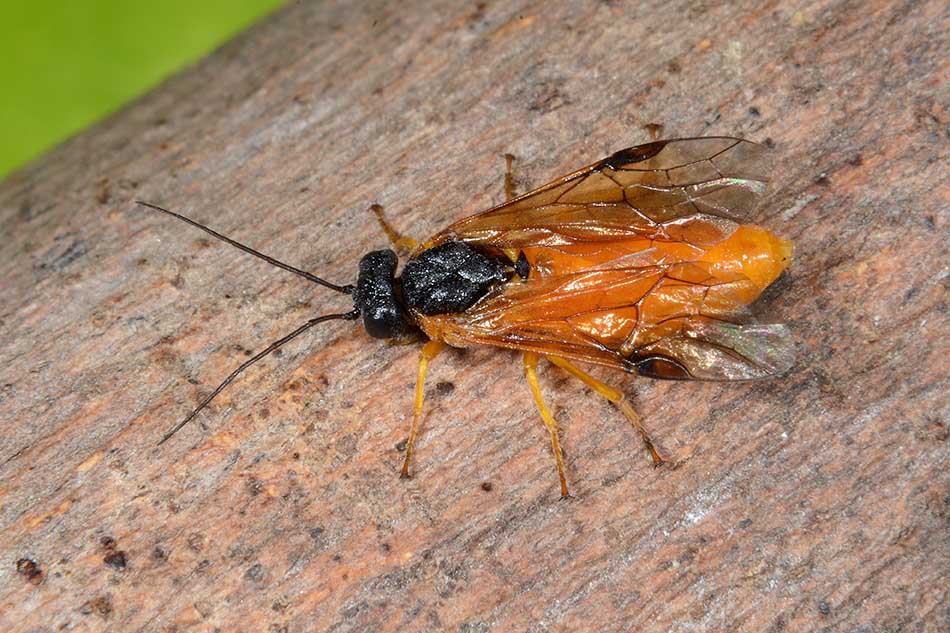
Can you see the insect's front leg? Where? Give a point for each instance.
(403, 244)
(509, 178)
(654, 130)
(616, 397)
(429, 351)
(530, 372)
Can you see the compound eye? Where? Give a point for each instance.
(384, 321)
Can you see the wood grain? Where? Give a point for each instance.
(816, 502)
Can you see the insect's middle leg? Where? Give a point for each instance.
(403, 244)
(615, 396)
(530, 372)
(429, 351)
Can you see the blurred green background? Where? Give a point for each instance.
(65, 64)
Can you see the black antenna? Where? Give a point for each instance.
(348, 289)
(270, 348)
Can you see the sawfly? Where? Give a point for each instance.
(645, 261)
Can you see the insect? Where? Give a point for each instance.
(645, 261)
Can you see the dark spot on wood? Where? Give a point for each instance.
(856, 161)
(754, 111)
(354, 610)
(744, 523)
(386, 547)
(196, 542)
(673, 67)
(910, 294)
(934, 431)
(104, 193)
(633, 155)
(239, 551)
(30, 570)
(486, 486)
(768, 142)
(255, 573)
(25, 211)
(295, 455)
(264, 413)
(159, 553)
(73, 252)
(478, 14)
(255, 487)
(203, 565)
(546, 97)
(401, 445)
(116, 560)
(822, 179)
(824, 608)
(100, 605)
(107, 542)
(444, 387)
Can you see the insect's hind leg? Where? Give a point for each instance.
(429, 351)
(530, 372)
(616, 397)
(403, 244)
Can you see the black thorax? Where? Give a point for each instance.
(446, 279)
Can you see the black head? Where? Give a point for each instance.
(375, 297)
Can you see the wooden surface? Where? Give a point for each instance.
(815, 502)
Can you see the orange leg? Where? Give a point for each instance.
(653, 129)
(530, 372)
(403, 245)
(616, 397)
(429, 351)
(509, 178)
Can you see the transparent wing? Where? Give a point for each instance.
(639, 261)
(640, 319)
(638, 191)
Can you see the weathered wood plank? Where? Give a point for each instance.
(815, 502)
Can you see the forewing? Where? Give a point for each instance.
(638, 319)
(639, 191)
(614, 277)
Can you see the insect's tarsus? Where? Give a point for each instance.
(347, 289)
(270, 348)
